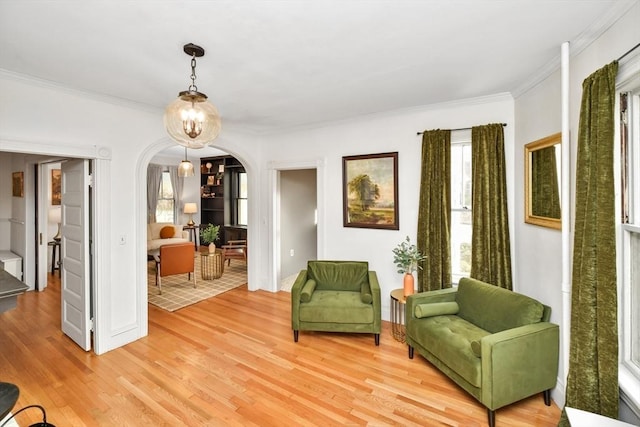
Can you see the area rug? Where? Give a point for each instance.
(178, 292)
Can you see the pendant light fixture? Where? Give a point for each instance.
(191, 120)
(185, 168)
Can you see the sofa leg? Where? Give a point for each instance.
(492, 417)
(376, 337)
(295, 336)
(410, 352)
(547, 397)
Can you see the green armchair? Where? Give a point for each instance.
(336, 296)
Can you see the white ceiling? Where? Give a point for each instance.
(273, 65)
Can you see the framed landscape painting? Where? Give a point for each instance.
(370, 191)
(17, 184)
(56, 181)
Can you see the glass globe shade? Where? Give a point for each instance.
(185, 169)
(191, 120)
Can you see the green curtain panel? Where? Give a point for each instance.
(545, 194)
(490, 247)
(434, 222)
(592, 384)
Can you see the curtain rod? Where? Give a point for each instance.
(420, 133)
(629, 51)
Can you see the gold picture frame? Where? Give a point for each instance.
(370, 191)
(56, 187)
(17, 184)
(542, 202)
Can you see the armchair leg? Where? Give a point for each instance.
(377, 338)
(547, 397)
(492, 417)
(410, 351)
(295, 335)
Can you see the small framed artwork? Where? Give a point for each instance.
(56, 193)
(370, 191)
(17, 182)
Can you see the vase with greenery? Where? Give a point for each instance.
(407, 258)
(209, 235)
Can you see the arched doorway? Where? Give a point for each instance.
(163, 150)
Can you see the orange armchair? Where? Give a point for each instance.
(176, 258)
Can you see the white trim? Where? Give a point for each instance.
(580, 43)
(628, 79)
(567, 241)
(488, 99)
(103, 341)
(273, 169)
(49, 149)
(100, 97)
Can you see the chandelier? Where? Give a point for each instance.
(191, 120)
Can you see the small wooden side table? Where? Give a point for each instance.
(194, 230)
(55, 244)
(398, 302)
(211, 263)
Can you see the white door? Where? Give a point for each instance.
(43, 203)
(74, 253)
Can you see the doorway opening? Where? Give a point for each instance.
(39, 216)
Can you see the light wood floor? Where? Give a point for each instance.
(231, 360)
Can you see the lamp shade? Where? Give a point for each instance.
(190, 208)
(55, 215)
(185, 169)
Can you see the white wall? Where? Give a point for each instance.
(538, 114)
(394, 131)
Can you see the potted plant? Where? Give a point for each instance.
(407, 258)
(209, 235)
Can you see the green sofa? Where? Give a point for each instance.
(336, 296)
(496, 344)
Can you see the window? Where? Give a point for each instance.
(461, 214)
(239, 198)
(628, 247)
(165, 207)
(241, 201)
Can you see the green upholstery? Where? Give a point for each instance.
(436, 309)
(495, 309)
(499, 347)
(336, 296)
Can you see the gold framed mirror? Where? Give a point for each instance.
(542, 160)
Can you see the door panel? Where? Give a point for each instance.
(75, 252)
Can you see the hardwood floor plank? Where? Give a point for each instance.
(231, 360)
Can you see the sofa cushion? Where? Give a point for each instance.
(495, 309)
(338, 275)
(365, 293)
(167, 231)
(336, 307)
(307, 290)
(153, 229)
(449, 339)
(435, 309)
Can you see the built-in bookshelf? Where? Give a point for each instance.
(215, 193)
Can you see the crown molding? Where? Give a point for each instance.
(95, 96)
(576, 46)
